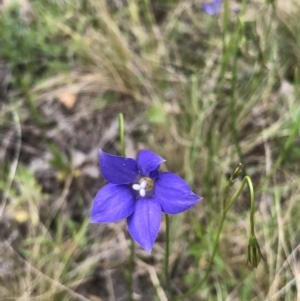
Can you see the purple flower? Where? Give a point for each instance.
(139, 192)
(212, 8)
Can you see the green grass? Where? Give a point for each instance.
(203, 92)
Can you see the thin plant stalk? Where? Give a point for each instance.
(131, 269)
(247, 181)
(167, 253)
(235, 42)
(122, 134)
(132, 246)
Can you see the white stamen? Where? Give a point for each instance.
(142, 192)
(143, 184)
(136, 186)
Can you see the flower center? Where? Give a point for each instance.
(145, 184)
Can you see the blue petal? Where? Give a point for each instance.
(144, 223)
(112, 203)
(148, 163)
(116, 169)
(174, 194)
(212, 8)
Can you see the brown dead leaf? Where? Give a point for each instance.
(68, 99)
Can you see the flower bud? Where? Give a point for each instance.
(254, 253)
(237, 171)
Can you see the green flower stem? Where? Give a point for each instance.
(131, 269)
(236, 196)
(237, 171)
(132, 246)
(216, 242)
(167, 253)
(122, 134)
